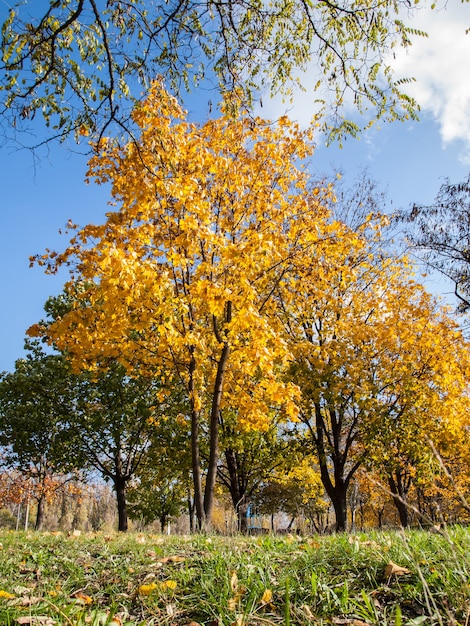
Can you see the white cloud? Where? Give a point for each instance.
(440, 64)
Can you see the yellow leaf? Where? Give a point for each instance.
(169, 584)
(176, 559)
(6, 595)
(146, 590)
(82, 598)
(234, 582)
(172, 559)
(267, 596)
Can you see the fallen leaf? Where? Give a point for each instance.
(82, 598)
(36, 619)
(6, 595)
(172, 559)
(267, 596)
(349, 622)
(393, 569)
(30, 600)
(20, 590)
(146, 590)
(169, 584)
(234, 582)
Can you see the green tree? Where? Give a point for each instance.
(247, 460)
(161, 488)
(116, 415)
(36, 410)
(81, 63)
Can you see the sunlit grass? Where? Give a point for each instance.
(149, 579)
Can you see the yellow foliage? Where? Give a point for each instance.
(221, 269)
(185, 277)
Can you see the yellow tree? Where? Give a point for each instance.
(180, 278)
(424, 394)
(295, 489)
(361, 337)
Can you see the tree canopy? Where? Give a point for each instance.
(82, 64)
(180, 279)
(224, 270)
(440, 232)
(36, 410)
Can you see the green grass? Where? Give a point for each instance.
(223, 581)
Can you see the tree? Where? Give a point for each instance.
(161, 487)
(370, 347)
(116, 416)
(294, 489)
(440, 232)
(427, 405)
(36, 409)
(81, 63)
(247, 460)
(180, 281)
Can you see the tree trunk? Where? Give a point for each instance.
(337, 491)
(242, 516)
(190, 512)
(214, 434)
(120, 488)
(399, 493)
(40, 513)
(196, 469)
(339, 501)
(237, 488)
(380, 517)
(195, 453)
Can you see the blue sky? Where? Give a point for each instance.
(409, 160)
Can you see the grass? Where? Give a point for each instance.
(123, 580)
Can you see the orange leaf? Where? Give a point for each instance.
(82, 598)
(393, 569)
